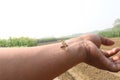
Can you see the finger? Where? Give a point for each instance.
(106, 41)
(109, 64)
(115, 58)
(111, 52)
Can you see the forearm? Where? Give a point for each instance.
(34, 63)
(59, 60)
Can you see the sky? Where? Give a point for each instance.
(55, 18)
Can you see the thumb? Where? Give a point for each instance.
(106, 41)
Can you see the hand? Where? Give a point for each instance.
(96, 39)
(98, 58)
(101, 59)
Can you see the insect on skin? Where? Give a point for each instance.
(64, 45)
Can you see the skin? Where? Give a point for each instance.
(48, 61)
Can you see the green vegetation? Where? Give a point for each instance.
(51, 39)
(113, 32)
(44, 40)
(18, 42)
(27, 42)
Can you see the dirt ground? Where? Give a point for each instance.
(83, 71)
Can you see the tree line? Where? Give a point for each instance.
(18, 42)
(27, 42)
(113, 32)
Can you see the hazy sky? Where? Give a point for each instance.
(41, 18)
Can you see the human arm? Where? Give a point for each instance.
(38, 63)
(48, 61)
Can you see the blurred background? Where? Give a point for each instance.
(38, 22)
(55, 18)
